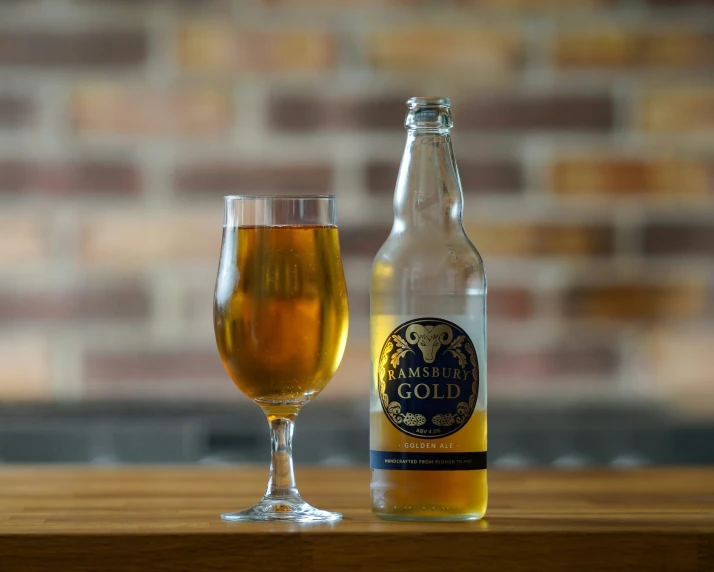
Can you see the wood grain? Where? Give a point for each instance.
(87, 519)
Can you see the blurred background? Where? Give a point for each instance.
(584, 133)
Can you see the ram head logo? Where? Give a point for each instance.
(429, 338)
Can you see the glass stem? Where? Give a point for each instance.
(282, 478)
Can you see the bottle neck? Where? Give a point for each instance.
(428, 193)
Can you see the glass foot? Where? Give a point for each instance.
(288, 509)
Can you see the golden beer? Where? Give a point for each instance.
(429, 494)
(281, 313)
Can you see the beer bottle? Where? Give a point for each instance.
(428, 339)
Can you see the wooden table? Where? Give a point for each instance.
(65, 519)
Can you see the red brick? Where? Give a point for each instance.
(481, 176)
(15, 111)
(122, 110)
(510, 303)
(506, 5)
(218, 47)
(201, 4)
(544, 112)
(181, 364)
(128, 241)
(22, 240)
(499, 112)
(208, 390)
(679, 366)
(619, 48)
(681, 109)
(542, 366)
(298, 113)
(354, 367)
(197, 374)
(466, 51)
(636, 301)
(540, 239)
(94, 303)
(179, 373)
(619, 175)
(342, 4)
(507, 239)
(693, 239)
(359, 300)
(96, 48)
(65, 179)
(680, 3)
(225, 178)
(25, 368)
(363, 241)
(538, 5)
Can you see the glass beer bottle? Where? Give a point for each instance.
(428, 339)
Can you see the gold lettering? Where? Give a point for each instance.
(391, 374)
(416, 391)
(436, 392)
(414, 372)
(435, 372)
(449, 387)
(456, 373)
(399, 391)
(426, 372)
(401, 373)
(446, 372)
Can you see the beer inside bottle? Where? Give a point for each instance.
(428, 339)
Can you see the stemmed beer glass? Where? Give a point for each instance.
(280, 318)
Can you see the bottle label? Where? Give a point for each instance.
(428, 378)
(390, 460)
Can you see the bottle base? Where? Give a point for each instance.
(435, 518)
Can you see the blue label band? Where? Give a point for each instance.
(388, 460)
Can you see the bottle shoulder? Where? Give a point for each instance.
(418, 249)
(436, 261)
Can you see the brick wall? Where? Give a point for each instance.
(584, 133)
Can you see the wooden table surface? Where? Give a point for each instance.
(145, 519)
